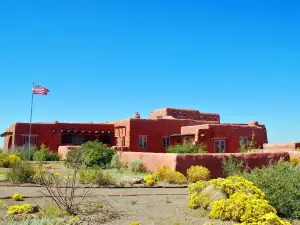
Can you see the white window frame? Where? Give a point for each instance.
(144, 141)
(165, 141)
(243, 140)
(219, 141)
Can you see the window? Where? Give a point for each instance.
(166, 142)
(25, 139)
(143, 141)
(220, 146)
(123, 141)
(244, 141)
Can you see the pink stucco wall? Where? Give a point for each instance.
(181, 162)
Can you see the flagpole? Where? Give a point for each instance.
(29, 141)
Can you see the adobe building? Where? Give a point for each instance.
(164, 127)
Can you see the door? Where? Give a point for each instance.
(220, 146)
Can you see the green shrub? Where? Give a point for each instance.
(137, 166)
(30, 221)
(95, 154)
(117, 163)
(232, 166)
(187, 147)
(51, 211)
(23, 172)
(24, 152)
(281, 184)
(98, 177)
(44, 154)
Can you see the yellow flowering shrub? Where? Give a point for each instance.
(295, 161)
(197, 187)
(13, 159)
(8, 160)
(269, 219)
(162, 172)
(17, 197)
(202, 193)
(150, 179)
(233, 198)
(173, 177)
(20, 209)
(234, 184)
(74, 220)
(241, 207)
(196, 173)
(134, 223)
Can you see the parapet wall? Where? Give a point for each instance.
(181, 162)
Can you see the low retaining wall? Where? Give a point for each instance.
(181, 162)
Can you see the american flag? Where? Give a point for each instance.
(40, 90)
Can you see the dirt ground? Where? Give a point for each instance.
(148, 210)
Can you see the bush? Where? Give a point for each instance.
(8, 160)
(17, 197)
(233, 198)
(150, 179)
(281, 184)
(241, 207)
(24, 152)
(117, 163)
(197, 173)
(44, 154)
(295, 161)
(166, 174)
(52, 211)
(187, 147)
(25, 208)
(23, 172)
(232, 166)
(95, 155)
(31, 221)
(98, 177)
(137, 166)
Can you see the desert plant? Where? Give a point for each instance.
(8, 160)
(98, 177)
(25, 208)
(173, 177)
(23, 172)
(44, 154)
(150, 179)
(95, 154)
(51, 211)
(196, 173)
(187, 147)
(138, 166)
(281, 184)
(24, 152)
(17, 197)
(232, 166)
(2, 205)
(29, 221)
(250, 147)
(295, 161)
(117, 163)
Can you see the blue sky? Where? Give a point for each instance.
(105, 60)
